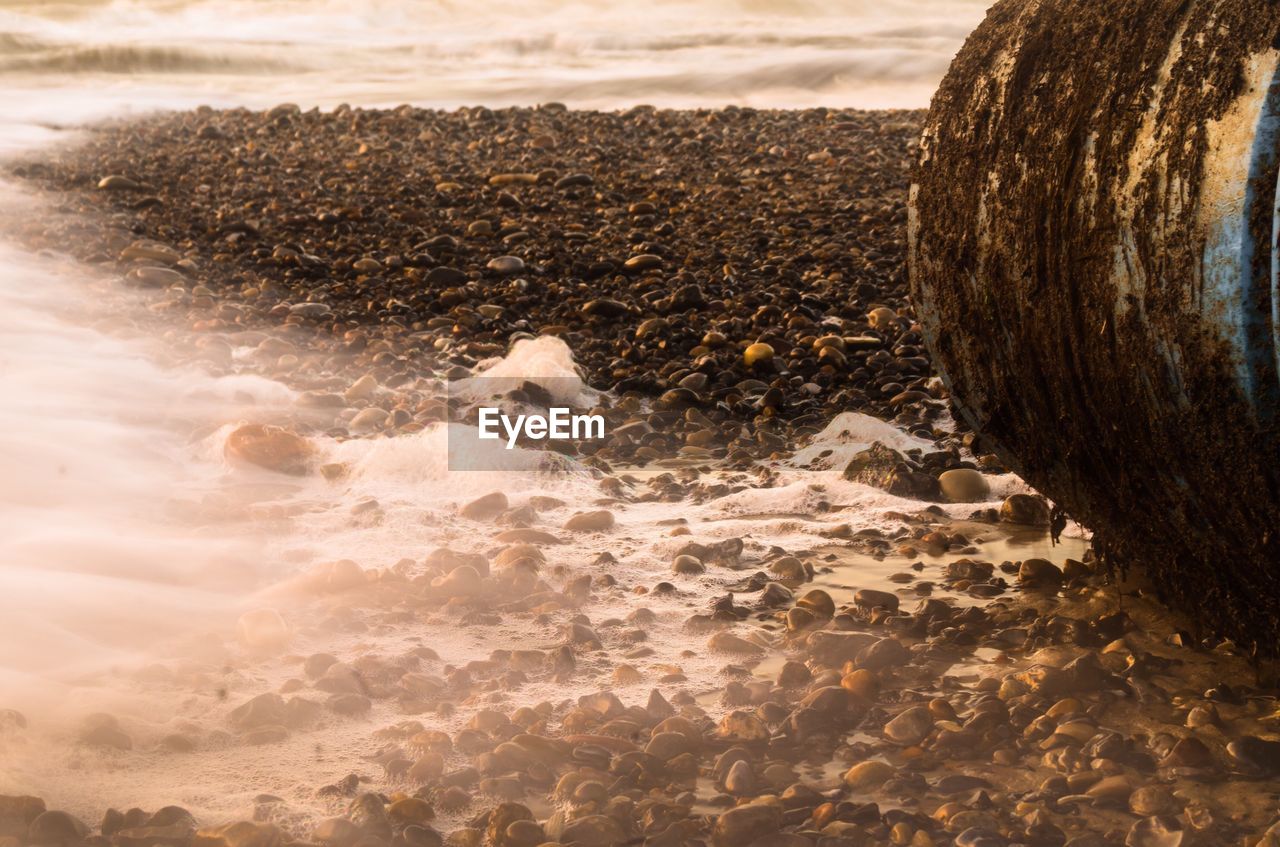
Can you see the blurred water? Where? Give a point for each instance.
(92, 55)
(124, 536)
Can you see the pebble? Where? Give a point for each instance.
(598, 521)
(758, 354)
(1039, 572)
(882, 319)
(1026, 509)
(740, 781)
(1151, 800)
(149, 276)
(871, 598)
(727, 642)
(56, 829)
(964, 485)
(1256, 754)
(687, 566)
(150, 251)
(362, 389)
(910, 727)
(368, 420)
(485, 507)
(506, 265)
(116, 182)
(643, 262)
(884, 653)
(743, 825)
(868, 776)
(594, 831)
(271, 447)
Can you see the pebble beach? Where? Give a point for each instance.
(787, 601)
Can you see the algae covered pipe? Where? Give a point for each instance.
(1093, 247)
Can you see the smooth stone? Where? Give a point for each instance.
(593, 831)
(885, 653)
(882, 319)
(362, 389)
(446, 277)
(836, 648)
(742, 825)
(150, 251)
(740, 781)
(368, 420)
(794, 675)
(776, 594)
(311, 311)
(1257, 753)
(339, 832)
(667, 745)
(117, 182)
(687, 565)
(1025, 509)
(154, 277)
(56, 828)
(574, 181)
(643, 262)
(411, 810)
(597, 521)
(462, 581)
(605, 307)
(727, 642)
(861, 682)
(757, 353)
(819, 602)
(1189, 753)
(485, 507)
(506, 264)
(742, 727)
(270, 447)
(1039, 572)
(1153, 800)
(910, 727)
(870, 598)
(868, 775)
(964, 485)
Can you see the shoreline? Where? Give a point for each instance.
(977, 716)
(461, 249)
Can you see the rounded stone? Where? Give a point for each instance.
(868, 775)
(964, 485)
(506, 265)
(1026, 509)
(758, 354)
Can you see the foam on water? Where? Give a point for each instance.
(126, 576)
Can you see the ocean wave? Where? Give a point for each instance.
(17, 43)
(819, 75)
(130, 59)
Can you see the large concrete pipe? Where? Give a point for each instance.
(1094, 260)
